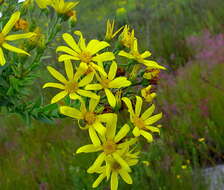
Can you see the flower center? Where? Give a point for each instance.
(139, 122)
(85, 57)
(2, 38)
(105, 83)
(71, 86)
(109, 147)
(90, 118)
(115, 166)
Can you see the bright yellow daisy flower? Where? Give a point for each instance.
(4, 37)
(113, 169)
(147, 94)
(110, 34)
(85, 53)
(93, 121)
(41, 3)
(134, 54)
(142, 124)
(127, 38)
(110, 145)
(108, 82)
(62, 7)
(73, 85)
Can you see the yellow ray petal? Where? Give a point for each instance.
(14, 49)
(146, 54)
(74, 96)
(125, 176)
(67, 57)
(19, 36)
(58, 97)
(136, 132)
(95, 46)
(99, 128)
(2, 57)
(12, 21)
(93, 87)
(106, 117)
(71, 112)
(66, 50)
(106, 56)
(138, 105)
(113, 71)
(92, 104)
(153, 64)
(93, 136)
(111, 127)
(110, 97)
(114, 181)
(129, 105)
(148, 112)
(121, 161)
(153, 129)
(54, 85)
(56, 74)
(119, 82)
(147, 135)
(98, 180)
(153, 119)
(86, 80)
(69, 69)
(87, 94)
(125, 54)
(88, 148)
(122, 133)
(71, 42)
(98, 162)
(82, 42)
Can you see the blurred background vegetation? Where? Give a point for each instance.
(187, 37)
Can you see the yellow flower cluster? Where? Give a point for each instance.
(92, 79)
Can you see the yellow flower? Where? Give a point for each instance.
(110, 144)
(21, 24)
(85, 53)
(110, 34)
(151, 73)
(147, 95)
(108, 82)
(62, 7)
(142, 124)
(201, 139)
(93, 121)
(38, 39)
(4, 38)
(184, 167)
(127, 38)
(134, 54)
(113, 169)
(71, 86)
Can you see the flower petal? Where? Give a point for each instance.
(153, 64)
(93, 136)
(54, 85)
(136, 132)
(147, 135)
(88, 148)
(2, 57)
(106, 117)
(122, 133)
(119, 82)
(114, 181)
(69, 69)
(67, 50)
(58, 97)
(110, 97)
(92, 104)
(95, 46)
(153, 119)
(71, 112)
(56, 74)
(12, 21)
(106, 56)
(138, 105)
(98, 162)
(98, 180)
(99, 128)
(93, 87)
(146, 54)
(121, 161)
(14, 49)
(153, 129)
(86, 80)
(19, 36)
(148, 112)
(67, 57)
(125, 176)
(125, 54)
(113, 71)
(87, 94)
(71, 42)
(74, 96)
(128, 103)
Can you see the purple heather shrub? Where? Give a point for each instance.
(208, 48)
